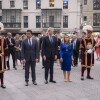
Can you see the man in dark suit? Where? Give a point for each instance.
(11, 49)
(29, 54)
(49, 51)
(40, 46)
(76, 47)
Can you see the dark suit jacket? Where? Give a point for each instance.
(41, 42)
(29, 52)
(77, 44)
(48, 49)
(10, 47)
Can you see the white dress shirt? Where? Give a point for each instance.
(30, 41)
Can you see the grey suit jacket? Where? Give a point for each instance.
(29, 52)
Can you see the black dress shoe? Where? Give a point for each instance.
(89, 77)
(3, 86)
(26, 84)
(46, 82)
(52, 81)
(82, 78)
(8, 69)
(43, 67)
(15, 68)
(34, 83)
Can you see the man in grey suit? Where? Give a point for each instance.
(29, 56)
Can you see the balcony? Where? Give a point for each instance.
(51, 18)
(11, 18)
(12, 25)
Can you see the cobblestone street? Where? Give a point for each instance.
(75, 90)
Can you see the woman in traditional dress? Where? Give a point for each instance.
(98, 47)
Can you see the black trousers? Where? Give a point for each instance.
(2, 77)
(48, 64)
(13, 58)
(75, 56)
(29, 64)
(42, 60)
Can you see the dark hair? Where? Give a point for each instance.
(74, 32)
(29, 31)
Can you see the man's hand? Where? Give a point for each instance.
(44, 57)
(36, 60)
(11, 44)
(89, 51)
(61, 59)
(23, 61)
(55, 57)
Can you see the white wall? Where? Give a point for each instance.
(73, 12)
(45, 4)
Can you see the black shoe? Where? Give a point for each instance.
(82, 78)
(3, 86)
(43, 67)
(89, 77)
(8, 69)
(52, 81)
(23, 67)
(34, 83)
(26, 84)
(15, 68)
(46, 82)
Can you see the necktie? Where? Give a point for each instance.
(51, 39)
(29, 42)
(74, 44)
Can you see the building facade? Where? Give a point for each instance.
(91, 13)
(37, 15)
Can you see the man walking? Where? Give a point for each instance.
(11, 49)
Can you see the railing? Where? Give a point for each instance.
(12, 25)
(55, 25)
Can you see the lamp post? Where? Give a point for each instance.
(81, 16)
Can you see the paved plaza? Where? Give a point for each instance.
(75, 90)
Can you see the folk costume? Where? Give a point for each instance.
(3, 47)
(87, 45)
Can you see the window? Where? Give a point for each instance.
(38, 22)
(13, 19)
(85, 18)
(25, 21)
(65, 4)
(96, 19)
(25, 4)
(65, 21)
(51, 18)
(38, 4)
(85, 2)
(51, 3)
(12, 4)
(0, 4)
(96, 4)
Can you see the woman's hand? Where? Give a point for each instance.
(61, 59)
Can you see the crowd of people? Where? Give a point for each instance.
(63, 49)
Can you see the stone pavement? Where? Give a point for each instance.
(75, 90)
